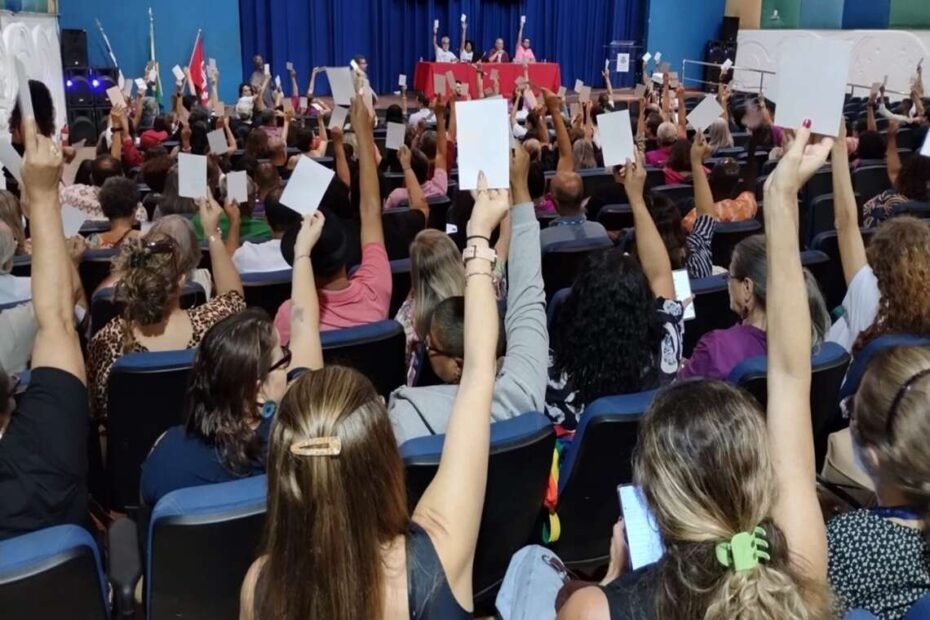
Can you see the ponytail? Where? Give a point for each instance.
(149, 281)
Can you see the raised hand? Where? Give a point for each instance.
(42, 163)
(491, 205)
(700, 150)
(310, 230)
(551, 100)
(231, 208)
(210, 213)
(632, 175)
(798, 164)
(403, 155)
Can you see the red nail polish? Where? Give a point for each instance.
(807, 123)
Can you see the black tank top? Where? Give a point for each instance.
(632, 596)
(428, 593)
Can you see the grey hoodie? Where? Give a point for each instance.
(521, 383)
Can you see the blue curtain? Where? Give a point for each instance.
(394, 34)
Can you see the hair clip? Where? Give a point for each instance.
(319, 446)
(744, 550)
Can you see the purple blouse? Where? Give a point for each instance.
(720, 351)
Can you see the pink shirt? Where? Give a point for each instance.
(524, 54)
(437, 186)
(658, 157)
(366, 299)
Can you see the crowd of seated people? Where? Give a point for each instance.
(716, 467)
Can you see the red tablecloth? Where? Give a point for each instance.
(545, 74)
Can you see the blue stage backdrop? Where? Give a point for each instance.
(395, 34)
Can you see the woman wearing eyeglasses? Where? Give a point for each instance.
(151, 274)
(240, 375)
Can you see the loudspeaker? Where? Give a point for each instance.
(717, 52)
(73, 48)
(83, 124)
(105, 83)
(730, 29)
(78, 90)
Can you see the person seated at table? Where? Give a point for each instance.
(443, 53)
(467, 51)
(524, 53)
(119, 199)
(666, 136)
(496, 53)
(266, 256)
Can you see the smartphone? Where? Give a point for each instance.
(642, 532)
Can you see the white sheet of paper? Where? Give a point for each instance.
(705, 113)
(10, 159)
(464, 18)
(140, 84)
(192, 175)
(395, 136)
(267, 69)
(522, 19)
(237, 186)
(925, 149)
(562, 91)
(127, 89)
(658, 57)
(277, 82)
(683, 291)
(401, 80)
(217, 140)
(606, 64)
(578, 86)
(153, 75)
(647, 57)
(289, 65)
(623, 63)
(435, 24)
(179, 73)
(340, 81)
(584, 94)
(616, 138)
(727, 64)
(305, 188)
(72, 219)
(2, 179)
(642, 532)
(302, 102)
(337, 117)
(658, 78)
(211, 63)
(814, 72)
(484, 142)
(24, 94)
(439, 84)
(115, 95)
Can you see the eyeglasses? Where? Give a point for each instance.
(284, 362)
(430, 349)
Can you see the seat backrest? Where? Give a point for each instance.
(870, 181)
(22, 266)
(518, 472)
(267, 290)
(438, 210)
(146, 396)
(600, 458)
(555, 306)
(104, 308)
(833, 282)
(865, 355)
(711, 310)
(727, 235)
(913, 207)
(94, 268)
(52, 573)
(820, 184)
(919, 610)
(376, 350)
(677, 193)
(594, 179)
(562, 262)
(616, 217)
(401, 225)
(201, 542)
(400, 284)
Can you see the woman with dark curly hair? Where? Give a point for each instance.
(910, 181)
(888, 284)
(620, 330)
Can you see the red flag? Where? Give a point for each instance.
(198, 73)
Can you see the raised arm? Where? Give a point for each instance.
(871, 125)
(516, 48)
(703, 196)
(312, 84)
(845, 211)
(791, 439)
(450, 509)
(464, 33)
(214, 86)
(370, 203)
(682, 112)
(403, 102)
(479, 80)
(653, 255)
(414, 192)
(339, 153)
(306, 349)
(137, 109)
(554, 106)
(234, 215)
(56, 342)
(892, 159)
(435, 40)
(225, 276)
(295, 89)
(641, 119)
(442, 138)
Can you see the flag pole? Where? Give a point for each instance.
(152, 52)
(189, 62)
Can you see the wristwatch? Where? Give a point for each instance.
(473, 251)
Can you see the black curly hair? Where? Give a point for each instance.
(608, 332)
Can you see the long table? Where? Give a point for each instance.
(545, 74)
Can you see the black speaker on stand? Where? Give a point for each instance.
(74, 49)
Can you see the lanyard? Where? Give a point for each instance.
(906, 513)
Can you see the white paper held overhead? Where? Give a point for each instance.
(304, 190)
(340, 81)
(337, 117)
(484, 142)
(115, 95)
(72, 219)
(705, 113)
(616, 138)
(179, 73)
(682, 285)
(22, 87)
(10, 159)
(811, 79)
(402, 80)
(395, 136)
(237, 186)
(217, 140)
(192, 175)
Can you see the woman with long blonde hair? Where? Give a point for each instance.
(732, 490)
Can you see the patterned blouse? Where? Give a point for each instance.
(878, 209)
(877, 564)
(107, 345)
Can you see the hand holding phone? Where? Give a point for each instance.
(642, 532)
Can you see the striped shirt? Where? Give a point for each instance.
(699, 261)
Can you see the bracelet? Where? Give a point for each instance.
(296, 258)
(479, 273)
(216, 236)
(470, 237)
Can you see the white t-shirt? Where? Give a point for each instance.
(860, 309)
(18, 326)
(260, 257)
(423, 114)
(445, 55)
(466, 56)
(14, 288)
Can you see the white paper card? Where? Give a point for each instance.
(127, 88)
(606, 64)
(616, 138)
(464, 18)
(683, 291)
(289, 65)
(522, 19)
(267, 69)
(705, 113)
(277, 82)
(72, 219)
(484, 142)
(237, 186)
(340, 81)
(217, 140)
(435, 24)
(305, 188)
(658, 57)
(337, 117)
(140, 84)
(578, 86)
(642, 532)
(10, 159)
(302, 102)
(153, 75)
(179, 73)
(584, 94)
(814, 72)
(925, 149)
(623, 63)
(402, 80)
(647, 57)
(395, 136)
(212, 63)
(115, 95)
(727, 64)
(561, 92)
(439, 84)
(192, 175)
